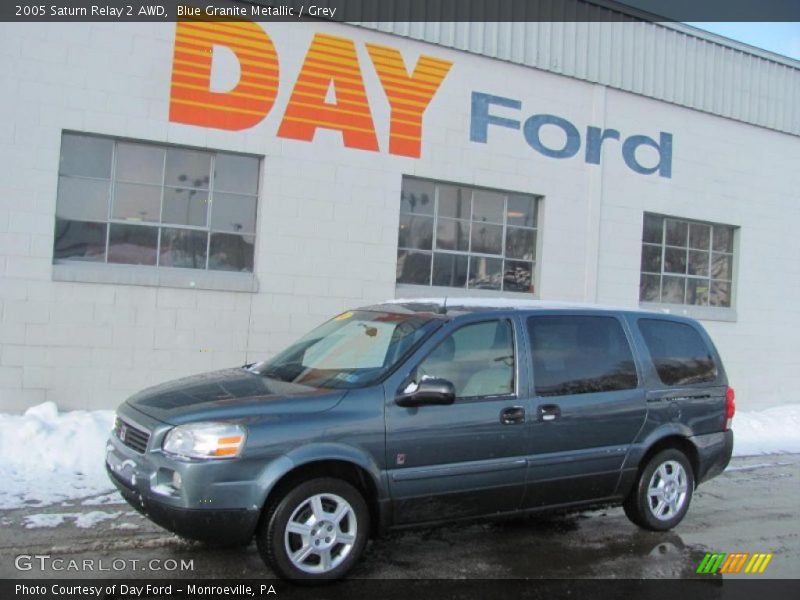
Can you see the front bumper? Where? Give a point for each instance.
(220, 526)
(218, 501)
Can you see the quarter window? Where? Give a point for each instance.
(679, 354)
(465, 237)
(147, 204)
(686, 262)
(580, 355)
(478, 359)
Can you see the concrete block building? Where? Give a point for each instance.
(177, 198)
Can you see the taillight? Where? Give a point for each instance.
(730, 407)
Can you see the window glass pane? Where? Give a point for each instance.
(651, 259)
(238, 174)
(580, 355)
(85, 156)
(234, 213)
(485, 273)
(188, 168)
(650, 288)
(697, 292)
(675, 260)
(694, 255)
(723, 238)
(477, 359)
(454, 202)
(452, 234)
(229, 252)
(679, 354)
(140, 163)
(132, 244)
(183, 248)
(698, 263)
(521, 210)
(135, 202)
(653, 229)
(449, 269)
(677, 232)
(487, 239)
(720, 293)
(417, 197)
(518, 276)
(78, 240)
(413, 267)
(415, 232)
(673, 290)
(488, 206)
(721, 266)
(185, 206)
(699, 236)
(521, 243)
(82, 199)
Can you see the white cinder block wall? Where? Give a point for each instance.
(328, 215)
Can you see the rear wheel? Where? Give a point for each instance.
(662, 493)
(315, 532)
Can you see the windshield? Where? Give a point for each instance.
(352, 350)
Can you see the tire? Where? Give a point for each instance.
(663, 492)
(329, 529)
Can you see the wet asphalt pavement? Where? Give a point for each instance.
(752, 507)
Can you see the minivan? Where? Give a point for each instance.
(412, 413)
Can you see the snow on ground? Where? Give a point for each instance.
(771, 431)
(82, 520)
(47, 457)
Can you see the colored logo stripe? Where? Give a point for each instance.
(733, 563)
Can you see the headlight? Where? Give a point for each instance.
(205, 440)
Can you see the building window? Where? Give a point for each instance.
(139, 203)
(686, 262)
(465, 237)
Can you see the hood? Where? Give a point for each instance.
(230, 394)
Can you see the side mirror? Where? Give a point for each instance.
(427, 392)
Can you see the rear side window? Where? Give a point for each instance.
(580, 355)
(680, 355)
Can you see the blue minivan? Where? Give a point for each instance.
(417, 412)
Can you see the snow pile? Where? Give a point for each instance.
(771, 431)
(48, 457)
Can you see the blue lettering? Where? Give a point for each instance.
(535, 123)
(663, 147)
(595, 136)
(481, 119)
(594, 142)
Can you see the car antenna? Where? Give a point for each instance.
(443, 308)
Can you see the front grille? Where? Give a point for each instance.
(133, 437)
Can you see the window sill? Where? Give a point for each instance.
(229, 281)
(409, 290)
(701, 313)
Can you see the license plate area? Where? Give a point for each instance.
(124, 468)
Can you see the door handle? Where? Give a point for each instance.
(549, 412)
(512, 415)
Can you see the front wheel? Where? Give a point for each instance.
(662, 493)
(315, 532)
